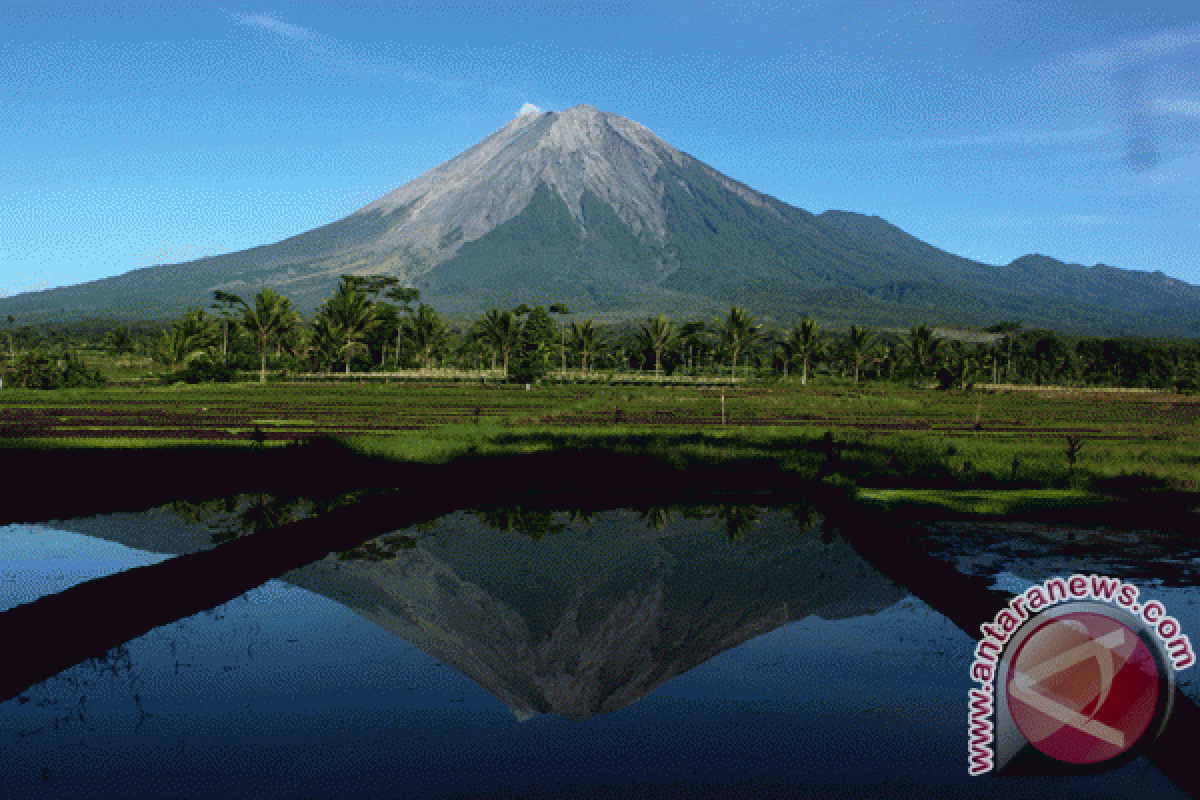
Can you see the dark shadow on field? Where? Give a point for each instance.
(884, 465)
(58, 631)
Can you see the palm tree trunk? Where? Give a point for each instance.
(262, 370)
(804, 375)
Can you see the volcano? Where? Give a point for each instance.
(594, 210)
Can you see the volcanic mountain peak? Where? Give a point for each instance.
(574, 151)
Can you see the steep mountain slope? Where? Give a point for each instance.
(595, 210)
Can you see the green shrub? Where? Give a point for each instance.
(37, 369)
(203, 369)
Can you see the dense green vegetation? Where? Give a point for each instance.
(372, 324)
(859, 405)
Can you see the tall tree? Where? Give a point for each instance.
(501, 330)
(119, 341)
(658, 334)
(585, 340)
(225, 302)
(1007, 330)
(922, 347)
(271, 316)
(326, 340)
(693, 335)
(804, 342)
(535, 344)
(353, 317)
(738, 331)
(427, 331)
(860, 343)
(189, 336)
(558, 309)
(372, 285)
(403, 298)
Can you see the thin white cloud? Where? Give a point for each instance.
(1135, 52)
(528, 108)
(331, 52)
(275, 26)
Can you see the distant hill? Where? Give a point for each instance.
(595, 210)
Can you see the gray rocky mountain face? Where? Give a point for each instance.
(572, 151)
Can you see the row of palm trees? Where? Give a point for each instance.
(349, 324)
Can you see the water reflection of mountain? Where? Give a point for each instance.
(595, 615)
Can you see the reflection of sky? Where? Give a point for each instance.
(284, 691)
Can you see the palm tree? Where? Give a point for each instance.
(404, 298)
(119, 341)
(271, 316)
(372, 285)
(225, 302)
(922, 345)
(1007, 329)
(658, 335)
(351, 316)
(427, 331)
(325, 339)
(738, 332)
(501, 330)
(12, 350)
(585, 339)
(560, 309)
(692, 335)
(860, 343)
(803, 342)
(174, 348)
(189, 336)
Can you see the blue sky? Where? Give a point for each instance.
(133, 135)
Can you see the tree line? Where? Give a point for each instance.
(371, 323)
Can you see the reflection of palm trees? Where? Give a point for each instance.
(657, 517)
(514, 519)
(381, 548)
(253, 513)
(580, 516)
(737, 519)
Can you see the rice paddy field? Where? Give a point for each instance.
(882, 436)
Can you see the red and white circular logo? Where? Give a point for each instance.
(1083, 688)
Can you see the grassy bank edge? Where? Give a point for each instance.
(727, 449)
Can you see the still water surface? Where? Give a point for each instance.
(747, 653)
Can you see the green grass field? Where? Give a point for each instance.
(903, 444)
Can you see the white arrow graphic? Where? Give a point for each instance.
(1022, 684)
